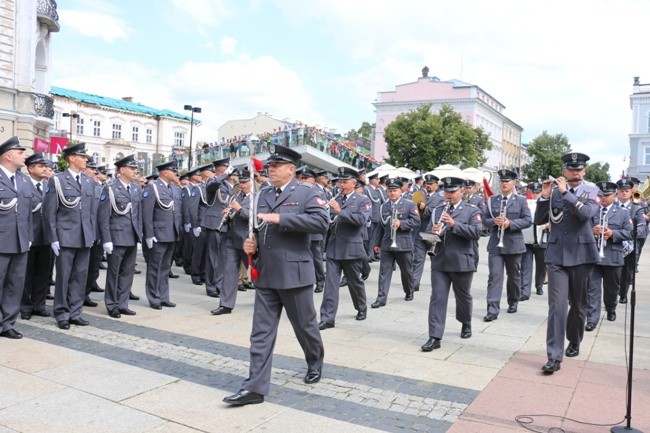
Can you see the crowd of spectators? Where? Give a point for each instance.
(291, 135)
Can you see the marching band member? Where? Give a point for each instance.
(398, 219)
(434, 199)
(625, 188)
(307, 175)
(611, 226)
(507, 214)
(535, 240)
(96, 251)
(374, 193)
(453, 265)
(198, 207)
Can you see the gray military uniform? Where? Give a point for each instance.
(218, 191)
(421, 247)
(197, 207)
(233, 252)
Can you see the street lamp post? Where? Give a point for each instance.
(192, 110)
(71, 116)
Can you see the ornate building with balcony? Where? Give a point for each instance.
(640, 136)
(26, 107)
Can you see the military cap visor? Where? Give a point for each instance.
(574, 160)
(77, 149)
(12, 144)
(607, 188)
(624, 184)
(347, 173)
(225, 162)
(36, 158)
(127, 161)
(394, 183)
(283, 154)
(451, 184)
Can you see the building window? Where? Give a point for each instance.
(117, 130)
(80, 125)
(149, 136)
(648, 124)
(179, 139)
(134, 135)
(646, 155)
(97, 128)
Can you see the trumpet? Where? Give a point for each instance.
(393, 228)
(501, 229)
(434, 238)
(601, 238)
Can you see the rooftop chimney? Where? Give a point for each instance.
(127, 98)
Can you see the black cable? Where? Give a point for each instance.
(525, 420)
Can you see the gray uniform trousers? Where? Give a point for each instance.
(419, 261)
(198, 254)
(404, 260)
(496, 264)
(610, 278)
(37, 279)
(12, 280)
(71, 275)
(159, 263)
(566, 285)
(230, 261)
(266, 316)
(119, 277)
(536, 254)
(213, 269)
(441, 282)
(374, 238)
(316, 248)
(96, 253)
(352, 271)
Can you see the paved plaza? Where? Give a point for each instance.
(167, 371)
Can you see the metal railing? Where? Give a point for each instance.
(46, 12)
(43, 106)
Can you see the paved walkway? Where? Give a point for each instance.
(167, 371)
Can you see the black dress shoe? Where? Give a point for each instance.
(78, 321)
(42, 313)
(213, 294)
(361, 315)
(408, 297)
(489, 317)
(466, 330)
(611, 316)
(524, 298)
(90, 303)
(167, 304)
(173, 275)
(590, 327)
(221, 310)
(114, 313)
(623, 300)
(250, 286)
(325, 325)
(243, 397)
(15, 335)
(512, 309)
(64, 324)
(156, 307)
(312, 376)
(127, 312)
(103, 266)
(364, 277)
(551, 366)
(25, 316)
(133, 297)
(137, 271)
(97, 290)
(540, 291)
(344, 282)
(432, 343)
(319, 288)
(572, 350)
(241, 288)
(197, 281)
(378, 304)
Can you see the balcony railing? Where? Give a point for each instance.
(47, 14)
(43, 106)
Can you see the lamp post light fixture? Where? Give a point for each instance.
(71, 116)
(192, 110)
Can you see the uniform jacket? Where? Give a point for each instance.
(238, 230)
(218, 193)
(519, 215)
(376, 199)
(121, 230)
(72, 227)
(15, 221)
(433, 201)
(198, 204)
(322, 193)
(98, 192)
(571, 241)
(38, 224)
(636, 213)
(284, 256)
(186, 193)
(348, 228)
(455, 253)
(618, 220)
(161, 217)
(409, 221)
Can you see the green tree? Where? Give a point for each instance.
(61, 163)
(365, 131)
(546, 151)
(422, 140)
(597, 172)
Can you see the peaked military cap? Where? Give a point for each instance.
(36, 158)
(624, 184)
(505, 174)
(322, 173)
(417, 178)
(574, 160)
(195, 171)
(469, 182)
(394, 182)
(12, 144)
(245, 175)
(348, 173)
(535, 186)
(373, 176)
(102, 169)
(451, 184)
(264, 172)
(225, 162)
(184, 176)
(360, 183)
(169, 165)
(151, 177)
(127, 161)
(635, 180)
(283, 154)
(91, 164)
(77, 149)
(430, 178)
(383, 177)
(607, 188)
(362, 171)
(206, 167)
(305, 171)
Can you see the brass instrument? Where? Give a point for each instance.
(637, 197)
(332, 220)
(229, 212)
(601, 238)
(419, 197)
(501, 229)
(434, 238)
(393, 228)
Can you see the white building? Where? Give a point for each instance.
(26, 109)
(640, 135)
(113, 128)
(261, 123)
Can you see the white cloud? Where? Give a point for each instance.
(95, 24)
(228, 45)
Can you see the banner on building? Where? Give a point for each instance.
(41, 145)
(57, 144)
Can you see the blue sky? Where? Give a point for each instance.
(564, 67)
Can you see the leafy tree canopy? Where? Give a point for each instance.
(597, 172)
(546, 151)
(423, 140)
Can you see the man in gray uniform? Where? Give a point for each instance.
(70, 212)
(198, 206)
(570, 256)
(39, 258)
(16, 224)
(96, 251)
(374, 193)
(458, 224)
(611, 226)
(288, 212)
(434, 199)
(535, 239)
(398, 219)
(307, 175)
(625, 188)
(120, 228)
(345, 251)
(507, 214)
(161, 224)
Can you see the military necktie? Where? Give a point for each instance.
(78, 180)
(128, 189)
(38, 188)
(343, 199)
(278, 191)
(450, 210)
(12, 178)
(573, 191)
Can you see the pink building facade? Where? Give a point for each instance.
(476, 106)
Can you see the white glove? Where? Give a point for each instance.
(56, 248)
(108, 247)
(30, 244)
(150, 242)
(229, 170)
(197, 232)
(188, 227)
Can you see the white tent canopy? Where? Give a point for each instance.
(447, 170)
